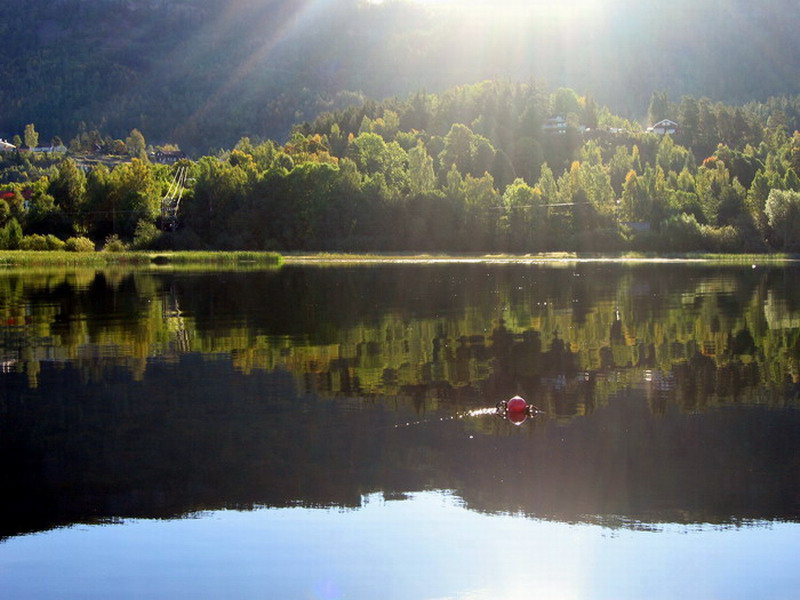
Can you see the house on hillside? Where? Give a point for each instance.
(663, 127)
(167, 157)
(6, 146)
(556, 124)
(61, 148)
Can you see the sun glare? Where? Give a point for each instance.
(567, 10)
(569, 5)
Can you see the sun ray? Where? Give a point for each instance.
(278, 26)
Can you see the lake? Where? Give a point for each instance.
(333, 432)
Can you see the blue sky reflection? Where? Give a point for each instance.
(426, 547)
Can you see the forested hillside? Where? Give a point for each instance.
(478, 168)
(203, 73)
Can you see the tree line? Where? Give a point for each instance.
(475, 169)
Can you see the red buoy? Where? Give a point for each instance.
(517, 417)
(517, 404)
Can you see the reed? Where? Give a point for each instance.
(44, 258)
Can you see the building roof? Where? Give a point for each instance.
(664, 126)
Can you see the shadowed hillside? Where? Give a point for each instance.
(206, 73)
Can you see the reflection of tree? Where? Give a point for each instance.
(716, 334)
(164, 393)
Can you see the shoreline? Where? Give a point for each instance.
(248, 259)
(552, 258)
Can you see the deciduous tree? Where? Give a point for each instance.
(31, 136)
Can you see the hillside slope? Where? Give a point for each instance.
(204, 73)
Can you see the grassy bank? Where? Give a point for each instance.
(22, 258)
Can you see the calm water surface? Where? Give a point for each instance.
(330, 432)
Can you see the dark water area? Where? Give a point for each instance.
(668, 395)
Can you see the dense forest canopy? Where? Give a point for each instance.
(550, 153)
(203, 73)
(494, 166)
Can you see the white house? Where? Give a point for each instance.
(556, 124)
(663, 127)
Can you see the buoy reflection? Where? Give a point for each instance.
(516, 410)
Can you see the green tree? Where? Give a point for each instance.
(369, 152)
(5, 212)
(591, 153)
(594, 180)
(721, 199)
(757, 196)
(375, 157)
(558, 219)
(310, 189)
(459, 145)
(480, 213)
(775, 134)
(31, 136)
(135, 144)
(564, 102)
(548, 186)
(618, 167)
(791, 181)
(502, 171)
(528, 158)
(794, 153)
(659, 107)
(670, 156)
(68, 188)
(707, 137)
(387, 126)
(524, 222)
(12, 235)
(783, 215)
(689, 120)
(99, 211)
(219, 190)
(482, 157)
(591, 111)
(634, 203)
(337, 140)
(133, 195)
(42, 215)
(421, 176)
